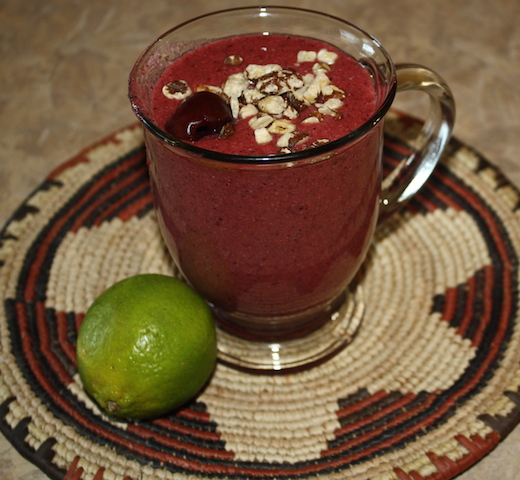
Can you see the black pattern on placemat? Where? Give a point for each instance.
(503, 263)
(42, 457)
(452, 396)
(130, 185)
(458, 394)
(462, 299)
(504, 424)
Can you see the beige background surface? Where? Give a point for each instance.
(64, 67)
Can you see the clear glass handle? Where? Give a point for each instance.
(412, 172)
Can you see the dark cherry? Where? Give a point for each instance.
(201, 114)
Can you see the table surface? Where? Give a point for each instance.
(63, 87)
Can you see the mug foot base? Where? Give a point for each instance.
(297, 354)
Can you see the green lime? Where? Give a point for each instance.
(146, 346)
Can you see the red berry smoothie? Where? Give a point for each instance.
(269, 245)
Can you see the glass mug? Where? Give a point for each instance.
(273, 243)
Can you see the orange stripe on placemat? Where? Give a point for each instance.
(402, 475)
(133, 207)
(179, 444)
(469, 310)
(194, 414)
(29, 347)
(477, 447)
(447, 468)
(425, 201)
(450, 304)
(135, 161)
(453, 296)
(185, 430)
(362, 404)
(62, 327)
(74, 472)
(99, 474)
(406, 399)
(399, 419)
(82, 156)
(444, 197)
(426, 197)
(45, 345)
(394, 151)
(487, 303)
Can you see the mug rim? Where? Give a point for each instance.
(293, 157)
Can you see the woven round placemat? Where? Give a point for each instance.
(429, 385)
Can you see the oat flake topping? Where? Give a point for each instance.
(271, 98)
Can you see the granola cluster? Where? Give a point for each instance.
(273, 99)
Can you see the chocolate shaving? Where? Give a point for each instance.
(279, 82)
(336, 93)
(226, 131)
(292, 101)
(296, 139)
(318, 143)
